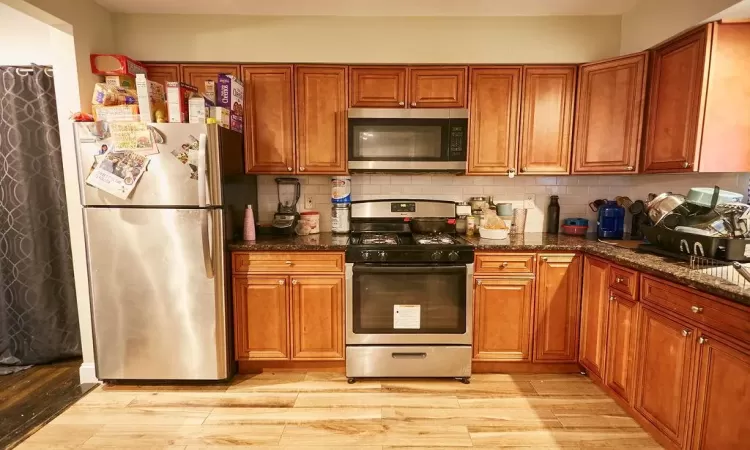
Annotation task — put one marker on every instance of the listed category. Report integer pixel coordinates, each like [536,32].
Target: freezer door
[158,299]
[167,182]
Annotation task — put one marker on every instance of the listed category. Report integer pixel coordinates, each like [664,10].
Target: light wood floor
[297,410]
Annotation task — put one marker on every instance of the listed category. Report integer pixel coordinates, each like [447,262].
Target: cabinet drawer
[505,263]
[278,262]
[624,280]
[700,308]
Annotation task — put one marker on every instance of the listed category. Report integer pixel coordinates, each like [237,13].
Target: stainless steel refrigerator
[157,260]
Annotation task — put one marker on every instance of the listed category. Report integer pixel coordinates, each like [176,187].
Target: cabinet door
[502,319]
[723,399]
[321,119]
[317,318]
[261,317]
[269,130]
[662,386]
[161,73]
[609,115]
[594,310]
[546,119]
[676,98]
[558,304]
[437,87]
[197,74]
[493,119]
[621,342]
[380,87]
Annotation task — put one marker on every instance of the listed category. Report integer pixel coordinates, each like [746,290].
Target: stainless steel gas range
[408,295]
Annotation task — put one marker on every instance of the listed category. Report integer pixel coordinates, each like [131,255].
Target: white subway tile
[319,179]
[578,190]
[401,179]
[371,189]
[380,179]
[483,181]
[422,179]
[546,181]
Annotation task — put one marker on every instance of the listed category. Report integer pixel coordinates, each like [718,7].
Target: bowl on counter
[575,230]
[498,234]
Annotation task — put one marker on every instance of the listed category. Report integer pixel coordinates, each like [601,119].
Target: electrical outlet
[308,202]
[529,201]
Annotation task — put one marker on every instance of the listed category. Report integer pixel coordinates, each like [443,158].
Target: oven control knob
[436,255]
[453,256]
[365,255]
[382,255]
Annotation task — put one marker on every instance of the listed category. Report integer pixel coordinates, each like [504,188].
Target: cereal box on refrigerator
[151,100]
[230,95]
[178,95]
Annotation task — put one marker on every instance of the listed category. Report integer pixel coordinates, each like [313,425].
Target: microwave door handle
[202,174]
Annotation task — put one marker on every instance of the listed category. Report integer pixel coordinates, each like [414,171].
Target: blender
[286,216]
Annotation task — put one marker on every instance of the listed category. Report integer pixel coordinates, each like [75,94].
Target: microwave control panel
[457,142]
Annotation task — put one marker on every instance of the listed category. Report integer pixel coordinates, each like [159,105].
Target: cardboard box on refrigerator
[151,100]
[231,95]
[220,116]
[178,95]
[199,109]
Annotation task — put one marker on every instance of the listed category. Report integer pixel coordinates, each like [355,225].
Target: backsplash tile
[575,192]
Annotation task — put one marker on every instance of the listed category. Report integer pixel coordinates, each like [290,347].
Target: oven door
[408,304]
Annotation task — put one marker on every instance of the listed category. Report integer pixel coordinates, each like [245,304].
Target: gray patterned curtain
[38,315]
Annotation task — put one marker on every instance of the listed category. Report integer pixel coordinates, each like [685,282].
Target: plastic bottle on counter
[248,232]
[553,215]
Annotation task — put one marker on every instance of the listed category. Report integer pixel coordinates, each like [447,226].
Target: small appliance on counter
[286,217]
[640,219]
[610,221]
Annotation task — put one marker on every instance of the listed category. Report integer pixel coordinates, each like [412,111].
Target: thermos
[611,221]
[248,232]
[553,215]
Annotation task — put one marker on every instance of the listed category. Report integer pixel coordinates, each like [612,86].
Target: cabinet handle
[289,169]
[413,103]
[686,165]
[504,264]
[686,333]
[702,340]
[544,258]
[524,169]
[619,280]
[630,168]
[301,169]
[401,103]
[479,282]
[696,309]
[611,298]
[288,263]
[281,281]
[294,281]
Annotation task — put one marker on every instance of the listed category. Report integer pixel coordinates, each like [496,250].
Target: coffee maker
[286,217]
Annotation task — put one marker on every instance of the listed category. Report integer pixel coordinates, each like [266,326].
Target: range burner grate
[379,239]
[434,239]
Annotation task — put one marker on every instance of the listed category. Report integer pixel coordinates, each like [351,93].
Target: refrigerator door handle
[202,172]
[208,258]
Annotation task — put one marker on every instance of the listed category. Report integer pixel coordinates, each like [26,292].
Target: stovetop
[378,247]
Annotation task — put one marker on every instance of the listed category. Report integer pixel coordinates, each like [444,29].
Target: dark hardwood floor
[31,398]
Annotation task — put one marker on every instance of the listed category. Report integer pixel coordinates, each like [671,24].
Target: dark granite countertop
[666,268]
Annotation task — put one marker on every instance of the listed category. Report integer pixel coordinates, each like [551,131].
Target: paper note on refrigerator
[118,172]
[135,136]
[407,316]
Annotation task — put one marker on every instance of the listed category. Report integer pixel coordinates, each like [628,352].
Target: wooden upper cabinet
[493,119]
[197,74]
[437,87]
[502,319]
[161,73]
[558,302]
[546,119]
[621,341]
[594,311]
[609,115]
[261,317]
[676,99]
[320,94]
[663,381]
[317,318]
[269,128]
[723,398]
[379,87]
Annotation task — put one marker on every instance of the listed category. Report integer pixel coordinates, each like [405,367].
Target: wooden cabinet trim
[624,280]
[361,96]
[622,334]
[333,349]
[453,97]
[504,264]
[243,325]
[287,262]
[594,316]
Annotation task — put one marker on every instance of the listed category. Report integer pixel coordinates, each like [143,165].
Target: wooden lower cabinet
[317,318]
[558,302]
[663,382]
[594,311]
[261,317]
[723,397]
[503,318]
[622,319]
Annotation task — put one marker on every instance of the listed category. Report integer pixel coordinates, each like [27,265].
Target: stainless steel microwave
[407,140]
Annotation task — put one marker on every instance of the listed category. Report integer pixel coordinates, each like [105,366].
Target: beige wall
[33,48]
[653,21]
[368,39]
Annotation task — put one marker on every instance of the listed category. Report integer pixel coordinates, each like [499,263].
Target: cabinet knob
[301,169]
[479,282]
[288,263]
[619,280]
[294,281]
[504,264]
[544,258]
[289,169]
[696,309]
[686,164]
[686,333]
[630,168]
[611,298]
[702,340]
[401,103]
[413,103]
[281,281]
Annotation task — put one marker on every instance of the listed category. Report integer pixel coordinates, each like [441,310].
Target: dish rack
[719,269]
[697,245]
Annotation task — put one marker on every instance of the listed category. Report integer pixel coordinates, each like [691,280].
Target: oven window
[428,301]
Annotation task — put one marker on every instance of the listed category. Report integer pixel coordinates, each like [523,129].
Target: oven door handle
[377,268]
